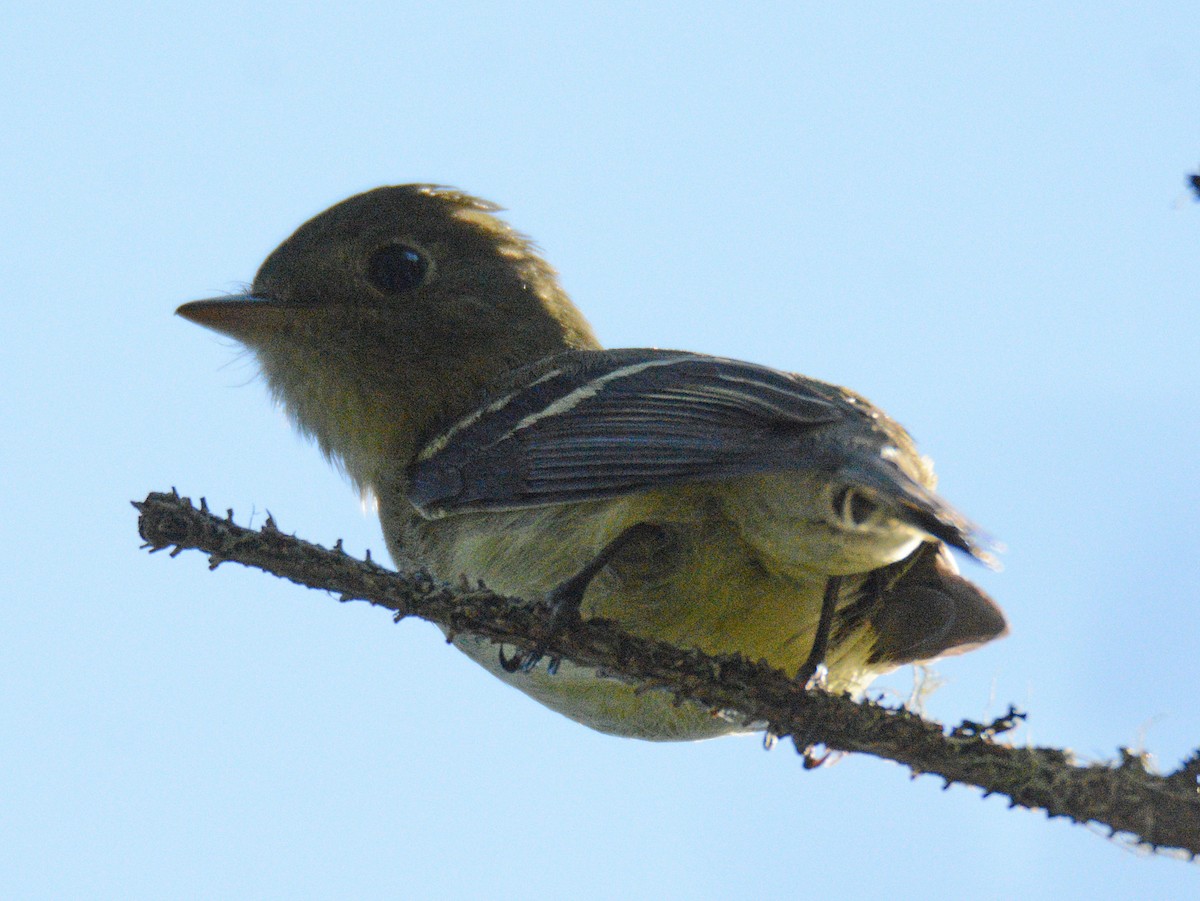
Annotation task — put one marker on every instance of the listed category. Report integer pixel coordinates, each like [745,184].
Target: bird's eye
[853,507]
[396,268]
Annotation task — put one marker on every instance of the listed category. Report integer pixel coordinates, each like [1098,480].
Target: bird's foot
[566,601]
[820,645]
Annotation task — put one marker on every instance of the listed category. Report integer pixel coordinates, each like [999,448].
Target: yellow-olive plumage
[431,353]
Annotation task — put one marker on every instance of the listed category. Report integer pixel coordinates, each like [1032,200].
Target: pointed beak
[241,316]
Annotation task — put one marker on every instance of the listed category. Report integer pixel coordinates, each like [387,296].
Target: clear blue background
[975,217]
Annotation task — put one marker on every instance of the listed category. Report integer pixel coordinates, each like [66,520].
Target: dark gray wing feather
[588,425]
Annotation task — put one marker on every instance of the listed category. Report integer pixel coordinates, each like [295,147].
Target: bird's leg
[566,599]
[820,645]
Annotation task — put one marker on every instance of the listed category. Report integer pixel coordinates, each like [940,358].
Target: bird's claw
[520,662]
[527,661]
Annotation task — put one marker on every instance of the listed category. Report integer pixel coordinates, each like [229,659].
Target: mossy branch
[1160,811]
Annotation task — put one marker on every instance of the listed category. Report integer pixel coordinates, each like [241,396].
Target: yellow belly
[696,583]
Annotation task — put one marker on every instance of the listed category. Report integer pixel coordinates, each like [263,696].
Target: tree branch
[1160,811]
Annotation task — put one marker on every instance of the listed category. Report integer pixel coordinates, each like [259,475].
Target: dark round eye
[395,268]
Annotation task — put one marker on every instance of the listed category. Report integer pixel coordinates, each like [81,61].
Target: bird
[429,350]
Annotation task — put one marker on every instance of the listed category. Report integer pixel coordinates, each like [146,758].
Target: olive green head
[390,311]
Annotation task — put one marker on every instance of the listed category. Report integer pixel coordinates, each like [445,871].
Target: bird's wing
[588,425]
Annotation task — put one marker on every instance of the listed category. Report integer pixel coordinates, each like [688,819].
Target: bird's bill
[240,316]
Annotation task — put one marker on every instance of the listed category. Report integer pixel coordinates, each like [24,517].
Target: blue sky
[976,217]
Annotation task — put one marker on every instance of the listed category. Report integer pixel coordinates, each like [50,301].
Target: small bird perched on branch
[710,503]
